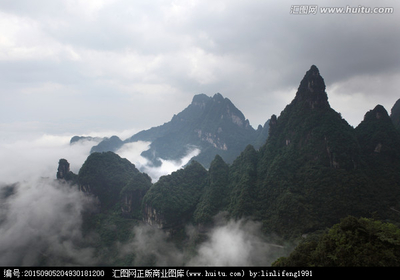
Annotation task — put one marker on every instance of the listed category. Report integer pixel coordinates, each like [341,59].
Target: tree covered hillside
[313,170]
[352,242]
[213,125]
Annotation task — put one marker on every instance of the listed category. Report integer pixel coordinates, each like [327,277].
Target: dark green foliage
[379,141]
[352,242]
[105,175]
[120,188]
[132,194]
[214,196]
[395,114]
[309,152]
[313,170]
[243,177]
[377,135]
[175,196]
[107,232]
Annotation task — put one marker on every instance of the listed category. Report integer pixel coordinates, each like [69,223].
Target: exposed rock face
[312,89]
[64,173]
[63,169]
[213,139]
[153,218]
[132,194]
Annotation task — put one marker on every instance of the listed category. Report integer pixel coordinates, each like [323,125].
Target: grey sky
[80,67]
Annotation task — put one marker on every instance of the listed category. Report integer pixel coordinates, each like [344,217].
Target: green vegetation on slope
[352,242]
[175,196]
[313,170]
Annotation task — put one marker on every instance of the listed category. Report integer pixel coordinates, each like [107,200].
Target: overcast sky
[81,67]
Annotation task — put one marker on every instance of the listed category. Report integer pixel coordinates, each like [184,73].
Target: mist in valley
[41,218]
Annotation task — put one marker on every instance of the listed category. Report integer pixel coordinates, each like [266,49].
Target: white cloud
[169,166]
[357,95]
[33,158]
[41,217]
[228,243]
[132,151]
[236,243]
[42,220]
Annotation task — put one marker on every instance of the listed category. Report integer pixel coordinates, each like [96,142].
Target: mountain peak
[312,89]
[212,125]
[218,97]
[379,112]
[200,98]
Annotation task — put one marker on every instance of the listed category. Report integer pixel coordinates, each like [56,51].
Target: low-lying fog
[41,218]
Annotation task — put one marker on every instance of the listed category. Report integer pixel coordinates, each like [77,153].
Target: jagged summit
[379,112]
[200,99]
[212,125]
[378,135]
[312,89]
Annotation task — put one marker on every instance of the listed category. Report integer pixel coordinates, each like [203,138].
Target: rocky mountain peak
[218,97]
[378,113]
[200,100]
[64,173]
[312,89]
[63,169]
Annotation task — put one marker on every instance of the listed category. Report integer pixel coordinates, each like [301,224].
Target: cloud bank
[228,243]
[40,224]
[41,218]
[236,243]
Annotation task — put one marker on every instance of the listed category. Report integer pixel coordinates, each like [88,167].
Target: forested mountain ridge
[313,170]
[211,124]
[350,243]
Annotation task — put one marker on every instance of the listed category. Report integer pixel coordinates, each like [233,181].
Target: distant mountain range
[211,124]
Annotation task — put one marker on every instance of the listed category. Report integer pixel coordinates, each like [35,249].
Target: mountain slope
[395,114]
[211,124]
[114,181]
[310,160]
[172,200]
[313,170]
[351,243]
